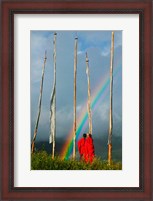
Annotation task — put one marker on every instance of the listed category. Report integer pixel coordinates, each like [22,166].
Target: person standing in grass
[81,147]
[89,148]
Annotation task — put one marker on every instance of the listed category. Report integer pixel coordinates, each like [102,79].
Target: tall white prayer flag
[89,96]
[53,104]
[52,116]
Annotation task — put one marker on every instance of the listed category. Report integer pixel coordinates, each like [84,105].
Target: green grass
[43,161]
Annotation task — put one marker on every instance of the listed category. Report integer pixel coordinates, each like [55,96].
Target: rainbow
[100,92]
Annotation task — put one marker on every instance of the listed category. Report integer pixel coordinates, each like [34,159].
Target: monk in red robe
[81,147]
[90,150]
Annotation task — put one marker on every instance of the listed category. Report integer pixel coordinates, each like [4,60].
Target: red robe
[81,148]
[90,151]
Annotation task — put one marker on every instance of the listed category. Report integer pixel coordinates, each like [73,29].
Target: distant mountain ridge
[100,147]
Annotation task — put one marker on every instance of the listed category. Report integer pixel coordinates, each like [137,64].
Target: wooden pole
[39,105]
[53,105]
[111,104]
[74,120]
[54,57]
[89,96]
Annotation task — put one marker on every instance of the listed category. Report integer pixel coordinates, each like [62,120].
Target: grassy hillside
[41,160]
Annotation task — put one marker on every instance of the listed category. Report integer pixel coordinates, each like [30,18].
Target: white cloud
[78,108]
[103,112]
[80,52]
[105,52]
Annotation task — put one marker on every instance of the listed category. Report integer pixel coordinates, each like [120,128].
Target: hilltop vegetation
[100,144]
[41,160]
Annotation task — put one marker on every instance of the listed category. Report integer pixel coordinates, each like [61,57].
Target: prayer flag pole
[111,105]
[53,104]
[39,105]
[74,120]
[89,96]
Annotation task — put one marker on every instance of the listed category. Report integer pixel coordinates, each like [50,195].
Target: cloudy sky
[97,44]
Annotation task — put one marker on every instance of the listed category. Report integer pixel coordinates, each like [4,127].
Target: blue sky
[97,44]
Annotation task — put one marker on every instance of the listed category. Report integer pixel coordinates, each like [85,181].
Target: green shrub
[42,161]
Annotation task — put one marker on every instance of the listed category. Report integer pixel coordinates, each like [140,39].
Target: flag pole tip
[76,36]
[87,57]
[45,54]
